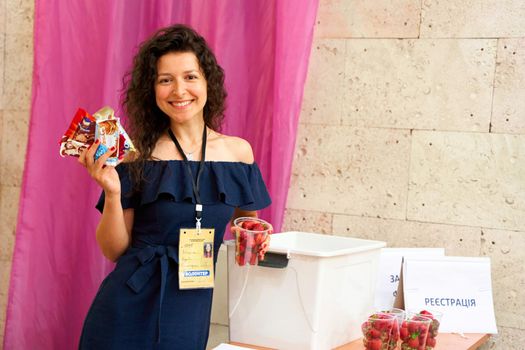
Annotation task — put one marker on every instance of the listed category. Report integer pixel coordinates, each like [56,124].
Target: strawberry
[375,344]
[374,333]
[395,329]
[241,261]
[427,314]
[381,324]
[253,259]
[431,342]
[412,328]
[257,227]
[423,329]
[403,332]
[413,343]
[259,238]
[248,225]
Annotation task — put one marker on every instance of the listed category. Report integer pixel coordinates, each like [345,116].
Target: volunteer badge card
[196,258]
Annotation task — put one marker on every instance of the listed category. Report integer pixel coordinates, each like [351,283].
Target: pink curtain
[82,50]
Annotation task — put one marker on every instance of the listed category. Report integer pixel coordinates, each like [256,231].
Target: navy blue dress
[139,304]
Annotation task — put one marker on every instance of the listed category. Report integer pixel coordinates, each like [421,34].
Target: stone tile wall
[413,132]
[16,65]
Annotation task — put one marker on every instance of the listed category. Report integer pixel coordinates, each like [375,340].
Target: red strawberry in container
[377,331]
[414,332]
[252,237]
[240,248]
[435,316]
[394,337]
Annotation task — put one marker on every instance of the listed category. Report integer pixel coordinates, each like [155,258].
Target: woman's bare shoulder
[237,149]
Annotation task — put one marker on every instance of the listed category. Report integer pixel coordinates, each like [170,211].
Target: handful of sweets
[250,234]
[103,126]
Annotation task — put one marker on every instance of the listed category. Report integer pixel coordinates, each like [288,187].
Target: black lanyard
[195,184]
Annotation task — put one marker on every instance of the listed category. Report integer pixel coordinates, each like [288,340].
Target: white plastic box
[318,301]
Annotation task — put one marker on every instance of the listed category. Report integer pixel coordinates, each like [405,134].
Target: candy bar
[104,113]
[80,134]
[107,133]
[125,144]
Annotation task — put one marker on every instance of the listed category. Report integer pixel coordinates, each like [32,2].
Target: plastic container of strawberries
[250,234]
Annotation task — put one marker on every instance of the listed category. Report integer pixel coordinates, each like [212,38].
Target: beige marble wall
[16,64]
[412,131]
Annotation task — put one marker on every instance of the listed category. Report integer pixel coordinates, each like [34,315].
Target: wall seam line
[493,86]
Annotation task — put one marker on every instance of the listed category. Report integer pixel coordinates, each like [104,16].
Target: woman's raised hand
[106,176]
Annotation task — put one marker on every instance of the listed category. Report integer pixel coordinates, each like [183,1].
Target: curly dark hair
[146,122]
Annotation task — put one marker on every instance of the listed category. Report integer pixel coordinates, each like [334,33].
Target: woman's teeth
[181,104]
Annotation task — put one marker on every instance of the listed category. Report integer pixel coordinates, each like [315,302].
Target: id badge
[196,258]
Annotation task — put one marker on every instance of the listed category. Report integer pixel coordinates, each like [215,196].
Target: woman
[175,104]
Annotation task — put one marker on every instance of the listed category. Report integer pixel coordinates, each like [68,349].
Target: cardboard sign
[390,271]
[459,287]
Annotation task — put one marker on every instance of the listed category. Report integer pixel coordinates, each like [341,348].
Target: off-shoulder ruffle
[233,183]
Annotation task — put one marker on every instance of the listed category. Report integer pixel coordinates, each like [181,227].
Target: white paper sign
[390,268]
[223,346]
[459,287]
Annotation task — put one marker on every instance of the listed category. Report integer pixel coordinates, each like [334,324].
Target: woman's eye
[192,77]
[164,81]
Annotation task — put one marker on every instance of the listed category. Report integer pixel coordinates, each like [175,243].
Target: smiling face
[180,87]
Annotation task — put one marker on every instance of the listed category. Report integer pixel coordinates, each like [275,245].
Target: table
[445,341]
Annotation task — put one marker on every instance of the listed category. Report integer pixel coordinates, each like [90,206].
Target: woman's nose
[179,88]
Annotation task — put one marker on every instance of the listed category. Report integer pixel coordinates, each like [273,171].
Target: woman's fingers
[83,151]
[264,247]
[101,161]
[96,166]
[90,154]
[82,157]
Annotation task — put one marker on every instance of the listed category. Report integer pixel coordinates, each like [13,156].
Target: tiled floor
[218,334]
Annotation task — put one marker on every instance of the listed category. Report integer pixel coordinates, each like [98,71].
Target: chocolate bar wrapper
[80,134]
[126,146]
[104,113]
[107,132]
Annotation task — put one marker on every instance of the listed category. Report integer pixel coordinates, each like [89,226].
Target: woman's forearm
[112,234]
[238,213]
